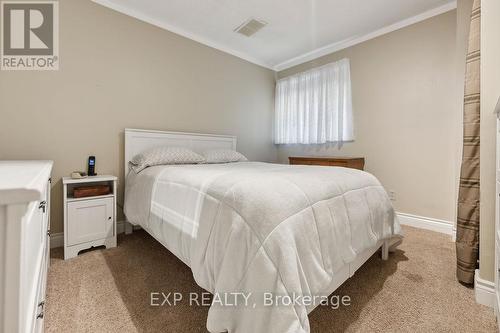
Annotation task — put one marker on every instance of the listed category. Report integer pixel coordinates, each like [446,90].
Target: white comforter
[258,228]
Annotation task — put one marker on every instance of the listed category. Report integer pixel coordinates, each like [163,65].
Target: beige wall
[490,92]
[405,114]
[118,72]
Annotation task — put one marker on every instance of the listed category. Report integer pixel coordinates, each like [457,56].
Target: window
[315,106]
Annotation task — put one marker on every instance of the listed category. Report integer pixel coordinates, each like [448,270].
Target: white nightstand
[89,221]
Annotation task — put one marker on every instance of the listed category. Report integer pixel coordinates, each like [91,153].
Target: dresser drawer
[34,263]
[34,240]
[39,315]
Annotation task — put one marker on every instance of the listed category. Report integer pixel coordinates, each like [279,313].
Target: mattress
[260,229]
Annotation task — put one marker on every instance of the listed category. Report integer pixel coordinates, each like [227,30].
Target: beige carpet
[108,291]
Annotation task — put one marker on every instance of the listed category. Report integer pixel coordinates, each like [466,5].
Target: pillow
[223,156]
[164,156]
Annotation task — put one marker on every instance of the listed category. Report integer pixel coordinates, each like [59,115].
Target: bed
[259,232]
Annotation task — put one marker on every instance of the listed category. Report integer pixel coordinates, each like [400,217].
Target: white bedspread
[258,227]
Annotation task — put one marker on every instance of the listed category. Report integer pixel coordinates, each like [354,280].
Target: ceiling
[297,30]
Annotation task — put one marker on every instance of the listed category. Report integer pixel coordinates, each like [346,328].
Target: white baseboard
[484,291]
[120,227]
[422,222]
[57,239]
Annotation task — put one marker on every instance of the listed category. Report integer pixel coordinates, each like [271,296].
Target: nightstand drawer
[89,220]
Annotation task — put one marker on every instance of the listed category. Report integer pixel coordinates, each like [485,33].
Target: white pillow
[223,156]
[164,156]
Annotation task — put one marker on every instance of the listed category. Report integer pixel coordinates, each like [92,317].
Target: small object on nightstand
[78,175]
[89,213]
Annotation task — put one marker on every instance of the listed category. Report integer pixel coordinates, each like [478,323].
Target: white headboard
[139,140]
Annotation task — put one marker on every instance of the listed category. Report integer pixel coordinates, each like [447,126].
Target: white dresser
[24,243]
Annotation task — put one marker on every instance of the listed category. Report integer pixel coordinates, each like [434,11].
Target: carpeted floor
[109,291]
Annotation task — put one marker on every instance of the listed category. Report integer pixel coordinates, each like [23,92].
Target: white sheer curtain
[315,106]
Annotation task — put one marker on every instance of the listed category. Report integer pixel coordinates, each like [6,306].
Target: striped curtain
[467,242]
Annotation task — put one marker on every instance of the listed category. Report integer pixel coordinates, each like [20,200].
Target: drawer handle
[43,205]
[40,314]
[109,218]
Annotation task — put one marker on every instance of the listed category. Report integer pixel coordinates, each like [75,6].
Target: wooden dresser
[347,162]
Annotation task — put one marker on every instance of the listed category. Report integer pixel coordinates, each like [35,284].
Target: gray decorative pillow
[164,156]
[223,156]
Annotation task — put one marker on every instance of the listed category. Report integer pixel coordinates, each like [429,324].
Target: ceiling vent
[250,27]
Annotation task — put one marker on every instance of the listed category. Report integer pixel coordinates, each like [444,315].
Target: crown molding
[322,51]
[335,47]
[202,40]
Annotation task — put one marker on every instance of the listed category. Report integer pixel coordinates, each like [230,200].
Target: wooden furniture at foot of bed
[346,162]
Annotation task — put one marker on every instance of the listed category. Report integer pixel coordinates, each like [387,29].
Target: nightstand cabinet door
[90,220]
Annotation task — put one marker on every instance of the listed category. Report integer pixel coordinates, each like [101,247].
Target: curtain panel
[315,106]
[467,242]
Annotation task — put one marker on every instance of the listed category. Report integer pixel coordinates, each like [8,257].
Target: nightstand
[88,221]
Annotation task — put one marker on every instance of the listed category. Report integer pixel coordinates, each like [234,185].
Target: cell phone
[91,166]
